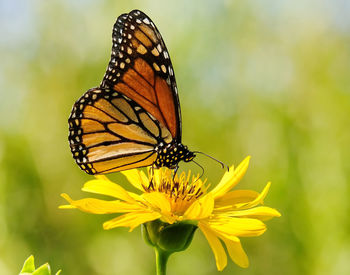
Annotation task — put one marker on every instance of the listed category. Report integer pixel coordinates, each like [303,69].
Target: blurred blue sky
[284,22]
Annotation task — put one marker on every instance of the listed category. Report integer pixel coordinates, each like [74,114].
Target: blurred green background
[270,79]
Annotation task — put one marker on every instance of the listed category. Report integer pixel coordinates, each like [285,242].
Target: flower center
[181,191]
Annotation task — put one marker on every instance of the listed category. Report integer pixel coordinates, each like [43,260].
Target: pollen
[181,190]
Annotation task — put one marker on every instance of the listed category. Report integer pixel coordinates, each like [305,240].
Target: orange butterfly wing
[140,68]
[120,125]
[110,132]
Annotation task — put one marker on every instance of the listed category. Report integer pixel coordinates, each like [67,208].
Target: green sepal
[28,266]
[168,237]
[43,270]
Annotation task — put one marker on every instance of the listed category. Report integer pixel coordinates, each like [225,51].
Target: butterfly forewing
[140,68]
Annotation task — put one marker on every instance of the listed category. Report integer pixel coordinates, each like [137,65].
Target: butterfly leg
[175,171]
[151,185]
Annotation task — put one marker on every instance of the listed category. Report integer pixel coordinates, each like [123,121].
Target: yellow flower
[221,214]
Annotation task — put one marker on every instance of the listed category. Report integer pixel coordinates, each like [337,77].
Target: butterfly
[133,119]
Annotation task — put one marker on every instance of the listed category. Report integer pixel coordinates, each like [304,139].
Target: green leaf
[43,270]
[28,266]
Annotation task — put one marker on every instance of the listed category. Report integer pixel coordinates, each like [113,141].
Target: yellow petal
[131,220]
[74,204]
[108,188]
[235,197]
[157,201]
[159,175]
[236,227]
[96,206]
[260,212]
[67,198]
[135,196]
[216,246]
[68,206]
[102,177]
[236,252]
[200,209]
[258,200]
[230,179]
[136,177]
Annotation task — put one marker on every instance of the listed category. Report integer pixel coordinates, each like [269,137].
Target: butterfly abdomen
[169,155]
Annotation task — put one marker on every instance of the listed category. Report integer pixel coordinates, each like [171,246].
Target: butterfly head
[169,155]
[187,154]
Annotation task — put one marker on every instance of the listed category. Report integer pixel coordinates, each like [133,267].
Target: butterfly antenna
[201,168]
[222,164]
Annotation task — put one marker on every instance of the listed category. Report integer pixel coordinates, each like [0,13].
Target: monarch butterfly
[133,118]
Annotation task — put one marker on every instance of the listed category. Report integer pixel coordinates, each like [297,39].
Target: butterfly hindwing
[140,68]
[110,132]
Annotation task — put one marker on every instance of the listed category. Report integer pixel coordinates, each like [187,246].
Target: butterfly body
[169,155]
[133,118]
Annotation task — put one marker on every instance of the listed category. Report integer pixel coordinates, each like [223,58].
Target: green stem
[161,260]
